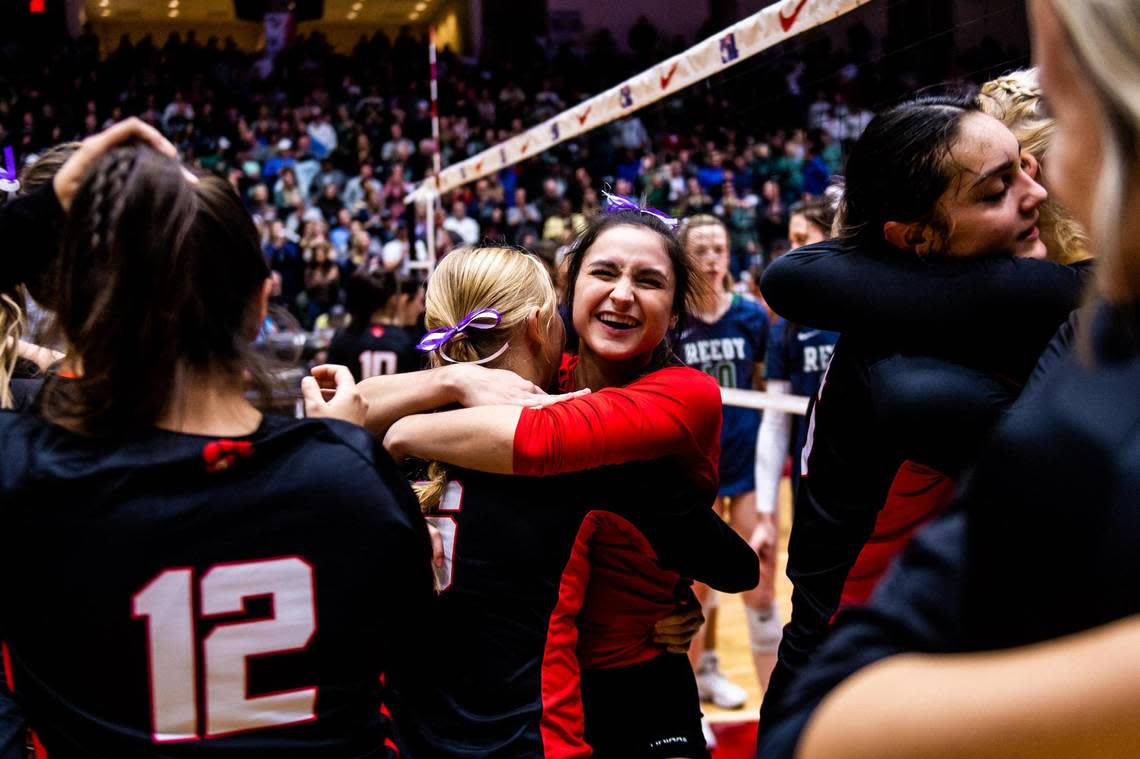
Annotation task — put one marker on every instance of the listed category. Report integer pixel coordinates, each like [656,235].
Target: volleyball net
[768,27]
[746,38]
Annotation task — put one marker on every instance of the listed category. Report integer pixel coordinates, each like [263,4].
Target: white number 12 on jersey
[167,604]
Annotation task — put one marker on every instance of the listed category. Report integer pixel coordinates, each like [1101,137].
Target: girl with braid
[185,544]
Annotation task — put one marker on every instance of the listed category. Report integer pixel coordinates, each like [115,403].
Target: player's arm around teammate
[1027,500]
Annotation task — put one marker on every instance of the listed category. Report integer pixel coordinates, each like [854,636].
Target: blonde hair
[11,329]
[1105,40]
[512,282]
[1016,100]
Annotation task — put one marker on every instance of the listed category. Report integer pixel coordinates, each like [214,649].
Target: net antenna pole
[428,192]
[436,158]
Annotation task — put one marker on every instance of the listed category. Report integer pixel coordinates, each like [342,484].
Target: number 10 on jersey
[167,603]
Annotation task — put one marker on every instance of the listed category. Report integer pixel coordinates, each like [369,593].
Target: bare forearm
[392,396]
[1071,697]
[479,438]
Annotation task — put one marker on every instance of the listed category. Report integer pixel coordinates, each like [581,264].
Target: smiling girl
[629,284]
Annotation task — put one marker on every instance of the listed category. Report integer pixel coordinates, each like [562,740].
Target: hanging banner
[279,29]
[744,39]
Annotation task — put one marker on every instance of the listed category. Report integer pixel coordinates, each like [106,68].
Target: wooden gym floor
[732,634]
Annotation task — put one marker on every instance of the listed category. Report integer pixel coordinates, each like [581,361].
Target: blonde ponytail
[510,281]
[11,329]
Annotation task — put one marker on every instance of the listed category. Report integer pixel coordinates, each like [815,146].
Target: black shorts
[644,711]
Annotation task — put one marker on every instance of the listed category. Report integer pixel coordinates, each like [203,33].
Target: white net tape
[792,404]
[760,31]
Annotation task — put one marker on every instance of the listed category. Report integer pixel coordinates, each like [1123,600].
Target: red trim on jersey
[671,413]
[629,591]
[563,723]
[7,666]
[39,752]
[918,493]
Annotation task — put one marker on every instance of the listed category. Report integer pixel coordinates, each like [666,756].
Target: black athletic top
[905,311]
[998,310]
[503,678]
[1059,478]
[29,235]
[374,350]
[180,595]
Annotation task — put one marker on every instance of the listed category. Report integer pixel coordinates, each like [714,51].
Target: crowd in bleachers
[324,147]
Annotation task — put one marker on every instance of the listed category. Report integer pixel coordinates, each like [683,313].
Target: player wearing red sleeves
[670,413]
[630,284]
[520,553]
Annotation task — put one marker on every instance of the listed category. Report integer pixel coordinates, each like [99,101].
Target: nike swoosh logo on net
[805,336]
[788,21]
[668,77]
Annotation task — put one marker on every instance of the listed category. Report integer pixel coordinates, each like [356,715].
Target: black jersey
[852,454]
[30,226]
[178,595]
[503,680]
[375,350]
[1060,478]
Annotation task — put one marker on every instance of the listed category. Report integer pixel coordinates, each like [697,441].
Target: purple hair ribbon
[480,318]
[619,203]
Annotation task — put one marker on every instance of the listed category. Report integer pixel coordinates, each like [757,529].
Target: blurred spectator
[286,192]
[324,148]
[357,188]
[341,233]
[398,147]
[461,225]
[284,257]
[329,202]
[397,253]
[322,278]
[564,225]
[551,199]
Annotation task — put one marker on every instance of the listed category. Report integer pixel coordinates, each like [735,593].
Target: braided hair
[158,280]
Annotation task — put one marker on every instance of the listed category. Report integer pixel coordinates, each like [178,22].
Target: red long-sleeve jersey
[672,415]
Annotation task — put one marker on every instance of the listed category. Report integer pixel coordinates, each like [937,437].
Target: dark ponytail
[366,292]
[158,281]
[900,166]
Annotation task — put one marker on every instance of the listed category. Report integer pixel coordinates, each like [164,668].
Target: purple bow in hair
[619,203]
[480,318]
